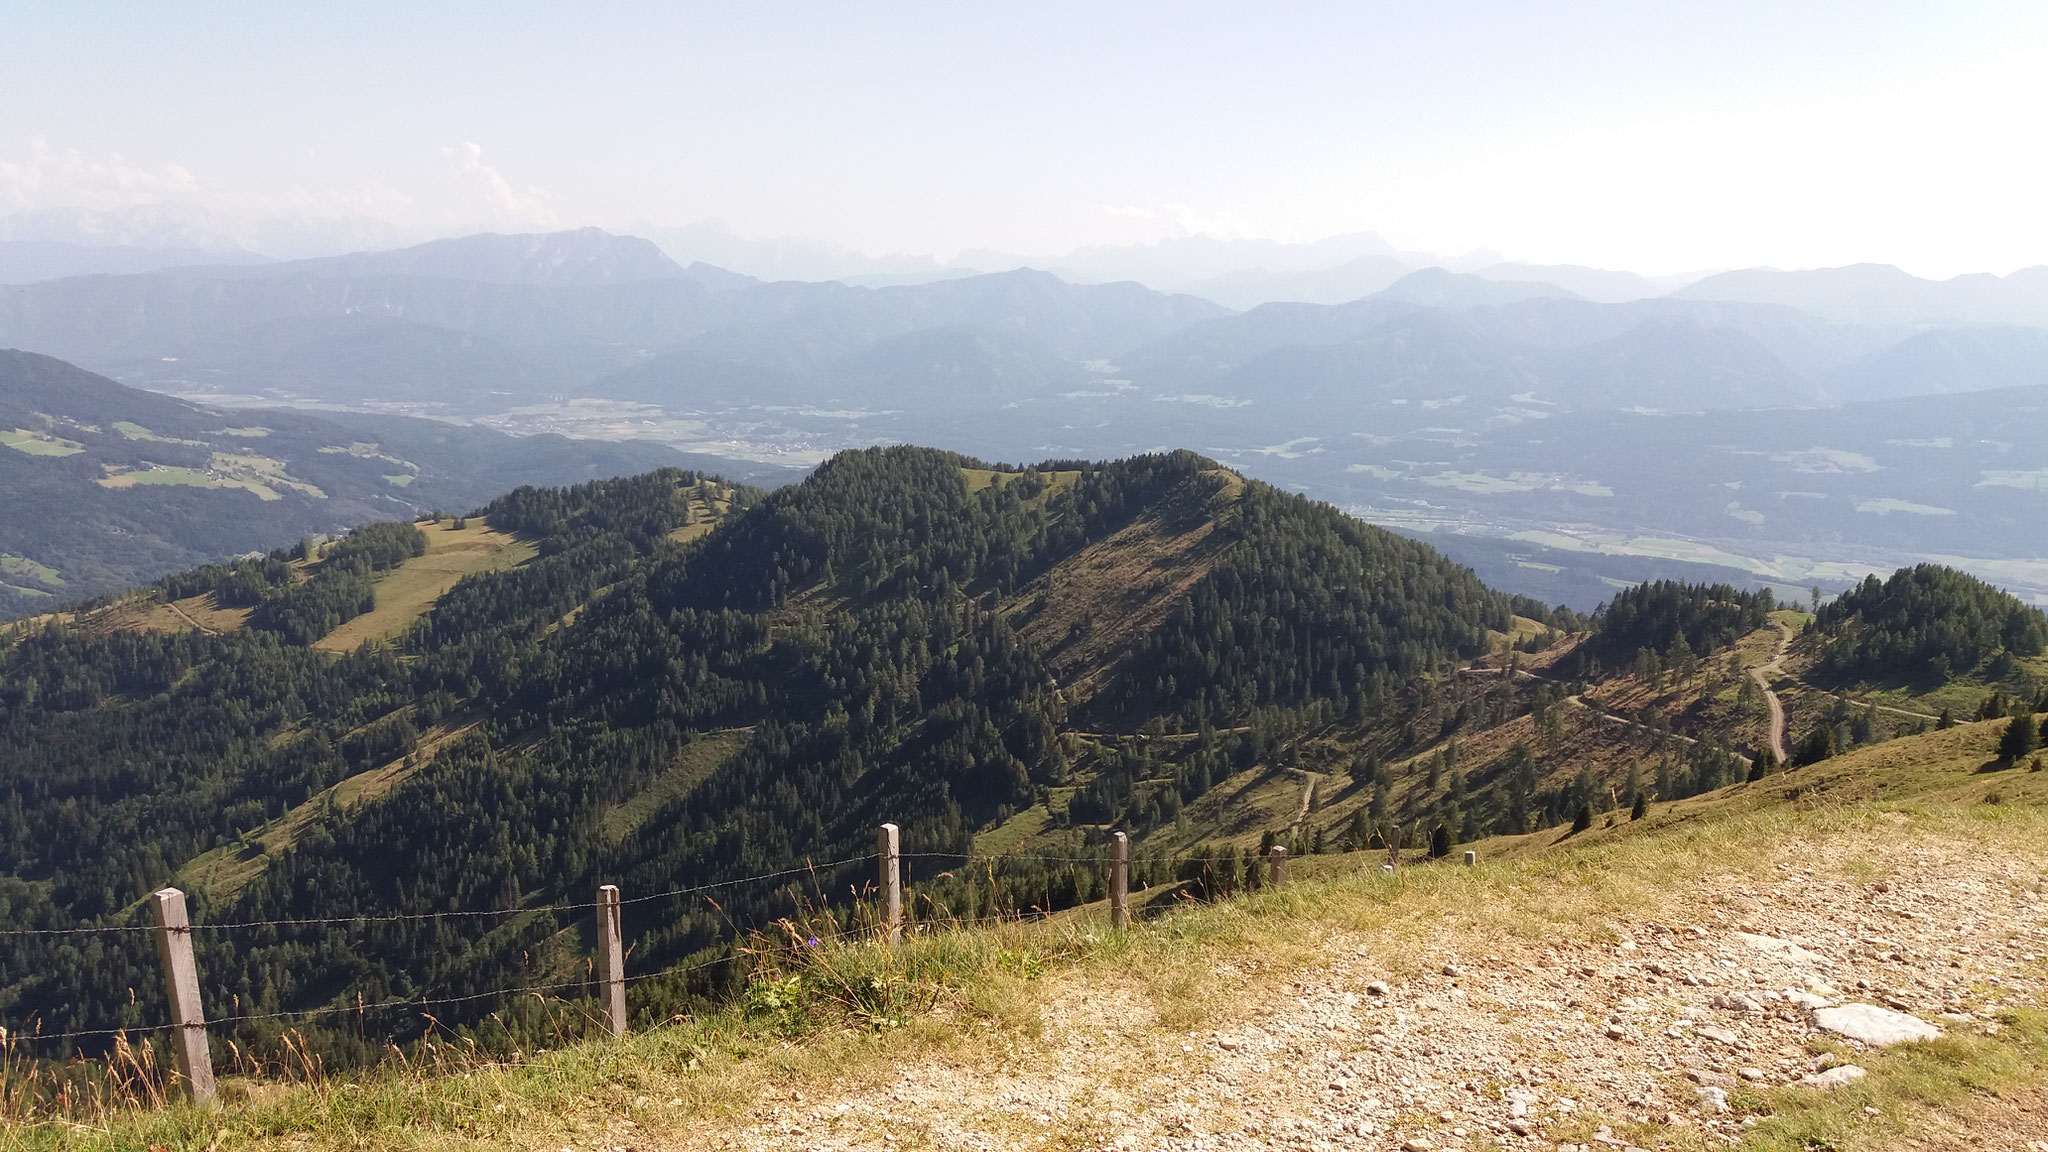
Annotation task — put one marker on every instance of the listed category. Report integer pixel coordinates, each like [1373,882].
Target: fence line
[174,935]
[697,889]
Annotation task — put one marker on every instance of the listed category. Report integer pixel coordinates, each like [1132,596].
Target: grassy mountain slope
[908,635]
[997,659]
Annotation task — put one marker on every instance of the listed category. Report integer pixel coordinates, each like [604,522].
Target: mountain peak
[579,256]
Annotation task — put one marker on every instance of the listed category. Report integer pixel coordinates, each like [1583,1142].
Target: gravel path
[1763,674]
[1635,1032]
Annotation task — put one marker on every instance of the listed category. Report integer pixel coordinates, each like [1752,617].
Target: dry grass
[406,592]
[990,1002]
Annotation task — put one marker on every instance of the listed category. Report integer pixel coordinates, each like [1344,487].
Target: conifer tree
[2022,737]
[1361,830]
[1642,806]
[1440,842]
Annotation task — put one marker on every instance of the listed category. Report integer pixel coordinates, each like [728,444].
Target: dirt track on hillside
[1763,674]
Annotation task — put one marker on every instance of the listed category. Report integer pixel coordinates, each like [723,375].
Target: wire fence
[959,859]
[954,862]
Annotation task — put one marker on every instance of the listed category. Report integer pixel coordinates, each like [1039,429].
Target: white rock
[1782,949]
[1832,1078]
[1877,1027]
[1713,1099]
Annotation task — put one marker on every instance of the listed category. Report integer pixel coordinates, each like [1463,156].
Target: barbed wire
[397,917]
[802,937]
[92,930]
[420,1004]
[808,868]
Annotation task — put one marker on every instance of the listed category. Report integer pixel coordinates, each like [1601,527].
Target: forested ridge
[1925,623]
[850,644]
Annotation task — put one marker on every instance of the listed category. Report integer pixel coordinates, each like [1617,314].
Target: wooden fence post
[1276,866]
[611,958]
[1471,858]
[1119,881]
[181,981]
[886,848]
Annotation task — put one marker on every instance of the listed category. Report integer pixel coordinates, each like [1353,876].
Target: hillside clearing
[259,475]
[39,443]
[406,592]
[697,760]
[224,871]
[23,568]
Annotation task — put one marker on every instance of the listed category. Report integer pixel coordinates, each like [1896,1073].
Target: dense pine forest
[896,639]
[1925,624]
[686,684]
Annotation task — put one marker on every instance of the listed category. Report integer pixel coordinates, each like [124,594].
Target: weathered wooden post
[1276,866]
[611,957]
[892,883]
[1471,858]
[1119,881]
[181,981]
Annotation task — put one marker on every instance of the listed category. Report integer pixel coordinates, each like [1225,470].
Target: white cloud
[46,177]
[485,187]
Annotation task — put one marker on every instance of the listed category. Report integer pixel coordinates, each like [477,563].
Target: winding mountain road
[1763,674]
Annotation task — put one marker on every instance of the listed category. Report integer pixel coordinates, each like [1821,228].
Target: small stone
[1227,1044]
[1720,1036]
[1877,1027]
[1521,1127]
[1417,1144]
[1377,988]
[1753,1075]
[1833,1078]
[1452,970]
[1710,1079]
[1616,1032]
[1713,1099]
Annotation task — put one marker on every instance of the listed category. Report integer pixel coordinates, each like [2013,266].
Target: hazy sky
[1651,136]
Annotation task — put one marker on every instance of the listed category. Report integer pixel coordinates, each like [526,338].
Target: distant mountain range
[1417,391]
[29,261]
